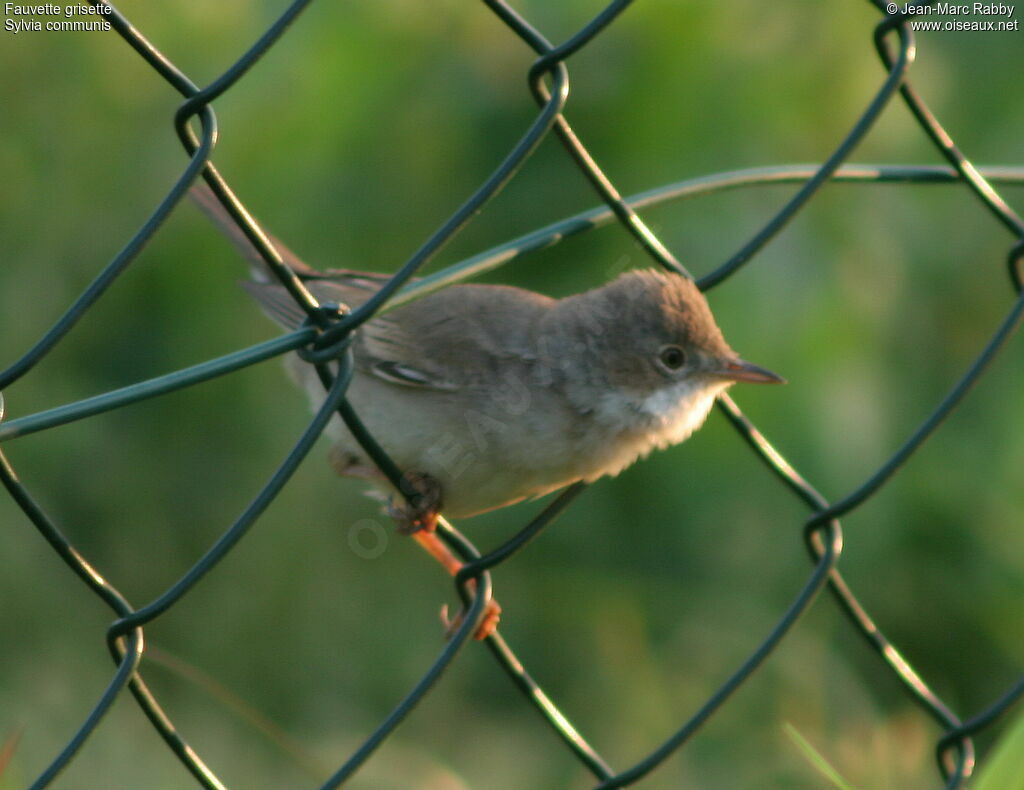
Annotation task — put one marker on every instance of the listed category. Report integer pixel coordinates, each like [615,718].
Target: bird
[487,395]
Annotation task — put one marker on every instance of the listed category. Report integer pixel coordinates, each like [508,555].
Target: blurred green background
[353,139]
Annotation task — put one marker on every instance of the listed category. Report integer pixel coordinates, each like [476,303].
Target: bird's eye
[672,357]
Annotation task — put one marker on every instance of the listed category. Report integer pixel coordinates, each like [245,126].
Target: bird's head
[655,353]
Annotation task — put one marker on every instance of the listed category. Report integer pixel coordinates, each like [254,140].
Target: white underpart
[663,418]
[680,409]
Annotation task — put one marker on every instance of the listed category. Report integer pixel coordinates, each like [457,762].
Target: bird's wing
[383,347]
[463,336]
[444,342]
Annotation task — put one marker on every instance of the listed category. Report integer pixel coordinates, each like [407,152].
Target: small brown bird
[486,395]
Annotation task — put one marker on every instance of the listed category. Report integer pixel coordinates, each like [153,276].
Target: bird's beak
[741,370]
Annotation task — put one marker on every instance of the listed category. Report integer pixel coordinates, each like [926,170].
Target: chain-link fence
[325,338]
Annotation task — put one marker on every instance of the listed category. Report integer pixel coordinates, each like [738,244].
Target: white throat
[678,410]
[661,419]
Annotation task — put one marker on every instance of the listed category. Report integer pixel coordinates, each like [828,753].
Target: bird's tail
[204,197]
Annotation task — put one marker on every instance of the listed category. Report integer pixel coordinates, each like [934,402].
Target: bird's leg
[419,519]
[422,495]
[421,492]
[437,549]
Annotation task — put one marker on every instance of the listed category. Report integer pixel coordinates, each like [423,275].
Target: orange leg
[419,518]
[440,552]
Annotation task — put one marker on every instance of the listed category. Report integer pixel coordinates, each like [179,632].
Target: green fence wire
[327,334]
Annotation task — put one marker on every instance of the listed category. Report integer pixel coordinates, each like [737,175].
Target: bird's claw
[422,507]
[488,624]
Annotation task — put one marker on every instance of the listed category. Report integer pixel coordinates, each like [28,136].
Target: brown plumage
[500,394]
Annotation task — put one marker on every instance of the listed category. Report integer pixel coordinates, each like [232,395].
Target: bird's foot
[422,506]
[488,624]
[418,517]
